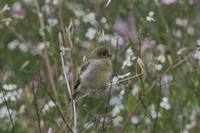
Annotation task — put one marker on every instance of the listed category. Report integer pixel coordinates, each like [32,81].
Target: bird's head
[102,52]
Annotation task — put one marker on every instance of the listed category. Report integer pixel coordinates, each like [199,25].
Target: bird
[95,72]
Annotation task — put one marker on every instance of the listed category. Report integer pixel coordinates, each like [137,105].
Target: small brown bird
[95,72]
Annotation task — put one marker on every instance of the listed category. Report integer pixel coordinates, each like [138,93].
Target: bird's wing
[83,68]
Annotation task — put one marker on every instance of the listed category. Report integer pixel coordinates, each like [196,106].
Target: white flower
[56,2]
[91,33]
[198,42]
[115,101]
[103,20]
[150,17]
[190,30]
[161,58]
[165,103]
[90,18]
[117,109]
[181,22]
[129,58]
[135,120]
[23,47]
[117,120]
[5,8]
[196,55]
[4,113]
[153,112]
[52,22]
[9,87]
[77,22]
[135,91]
[158,67]
[115,79]
[117,40]
[13,44]
[47,106]
[13,95]
[177,33]
[42,45]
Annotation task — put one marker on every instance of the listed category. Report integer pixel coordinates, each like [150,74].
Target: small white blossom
[181,22]
[117,40]
[90,34]
[129,58]
[190,30]
[177,33]
[47,106]
[153,112]
[114,80]
[150,17]
[198,42]
[135,120]
[115,101]
[77,22]
[161,58]
[165,103]
[5,8]
[23,47]
[13,44]
[135,91]
[4,113]
[9,87]
[90,18]
[117,120]
[56,2]
[158,67]
[117,109]
[52,22]
[196,55]
[42,45]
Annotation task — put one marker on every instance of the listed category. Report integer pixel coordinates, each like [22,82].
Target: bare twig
[67,81]
[45,54]
[110,86]
[56,105]
[125,79]
[36,108]
[11,120]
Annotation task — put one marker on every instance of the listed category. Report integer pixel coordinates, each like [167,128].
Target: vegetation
[156,55]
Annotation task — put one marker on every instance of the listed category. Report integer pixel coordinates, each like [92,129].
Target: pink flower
[18,11]
[124,28]
[191,2]
[168,2]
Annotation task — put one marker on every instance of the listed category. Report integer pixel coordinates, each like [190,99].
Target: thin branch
[158,109]
[36,108]
[67,81]
[45,55]
[177,63]
[11,120]
[125,79]
[56,105]
[110,86]
[14,32]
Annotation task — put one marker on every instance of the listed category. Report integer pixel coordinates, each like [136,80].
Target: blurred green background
[156,43]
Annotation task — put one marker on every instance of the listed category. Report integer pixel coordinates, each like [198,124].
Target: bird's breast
[97,73]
